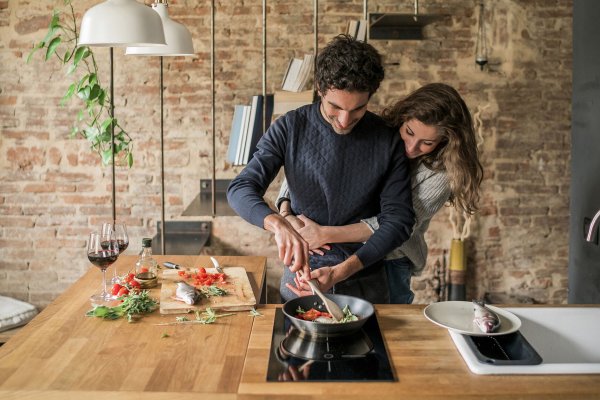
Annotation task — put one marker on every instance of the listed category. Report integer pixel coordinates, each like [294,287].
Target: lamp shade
[121,23]
[178,37]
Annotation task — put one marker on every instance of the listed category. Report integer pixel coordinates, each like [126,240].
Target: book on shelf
[256,130]
[247,129]
[286,101]
[239,150]
[298,73]
[357,29]
[234,135]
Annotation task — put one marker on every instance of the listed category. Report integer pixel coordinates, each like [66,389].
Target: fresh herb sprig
[133,305]
[209,316]
[213,290]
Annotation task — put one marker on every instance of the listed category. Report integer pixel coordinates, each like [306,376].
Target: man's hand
[293,250]
[313,234]
[326,276]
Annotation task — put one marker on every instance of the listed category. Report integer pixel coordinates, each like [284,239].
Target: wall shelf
[394,26]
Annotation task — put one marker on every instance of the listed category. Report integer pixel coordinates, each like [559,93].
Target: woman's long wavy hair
[440,105]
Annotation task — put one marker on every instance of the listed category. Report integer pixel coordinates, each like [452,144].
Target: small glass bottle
[145,267]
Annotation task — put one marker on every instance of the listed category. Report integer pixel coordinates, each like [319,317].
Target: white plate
[458,317]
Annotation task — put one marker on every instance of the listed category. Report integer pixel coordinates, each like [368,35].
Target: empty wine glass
[102,251]
[120,232]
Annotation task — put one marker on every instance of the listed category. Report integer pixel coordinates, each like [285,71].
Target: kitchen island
[62,354]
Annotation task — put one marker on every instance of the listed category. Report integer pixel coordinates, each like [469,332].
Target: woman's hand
[313,233]
[324,277]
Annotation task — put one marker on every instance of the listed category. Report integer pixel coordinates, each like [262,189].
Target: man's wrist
[274,222]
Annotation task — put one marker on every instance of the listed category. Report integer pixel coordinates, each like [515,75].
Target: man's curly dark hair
[349,64]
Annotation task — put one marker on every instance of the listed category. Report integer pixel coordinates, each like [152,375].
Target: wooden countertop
[61,353]
[426,363]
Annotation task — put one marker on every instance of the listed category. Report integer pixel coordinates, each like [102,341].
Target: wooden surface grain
[426,366]
[63,351]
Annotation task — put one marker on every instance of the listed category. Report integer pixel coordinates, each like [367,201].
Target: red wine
[103,259]
[122,245]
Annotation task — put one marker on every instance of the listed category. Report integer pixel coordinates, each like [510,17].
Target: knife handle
[171,265]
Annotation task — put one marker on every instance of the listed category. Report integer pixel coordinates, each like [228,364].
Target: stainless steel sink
[565,337]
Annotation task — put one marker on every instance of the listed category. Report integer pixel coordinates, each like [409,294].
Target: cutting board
[239,295]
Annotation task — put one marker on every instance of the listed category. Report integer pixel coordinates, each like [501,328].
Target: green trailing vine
[93,121]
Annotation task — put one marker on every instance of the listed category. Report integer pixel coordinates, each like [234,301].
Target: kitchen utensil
[239,297]
[335,310]
[170,265]
[216,264]
[458,317]
[359,307]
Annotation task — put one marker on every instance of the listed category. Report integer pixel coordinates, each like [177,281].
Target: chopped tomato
[143,269]
[122,292]
[202,270]
[135,284]
[312,314]
[115,289]
[129,277]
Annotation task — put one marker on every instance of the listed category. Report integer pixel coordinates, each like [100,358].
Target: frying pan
[359,307]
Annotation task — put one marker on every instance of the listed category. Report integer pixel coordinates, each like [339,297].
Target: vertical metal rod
[264,93]
[316,28]
[162,163]
[212,106]
[365,7]
[264,65]
[112,136]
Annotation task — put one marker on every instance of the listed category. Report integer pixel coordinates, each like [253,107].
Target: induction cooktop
[296,356]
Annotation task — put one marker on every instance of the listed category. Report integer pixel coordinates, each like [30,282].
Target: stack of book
[298,73]
[287,101]
[247,128]
[357,29]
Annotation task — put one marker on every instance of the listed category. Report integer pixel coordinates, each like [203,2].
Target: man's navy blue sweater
[333,179]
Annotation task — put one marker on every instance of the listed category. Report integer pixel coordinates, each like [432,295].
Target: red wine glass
[120,232]
[102,251]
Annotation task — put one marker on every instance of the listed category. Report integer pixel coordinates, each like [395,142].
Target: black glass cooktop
[361,356]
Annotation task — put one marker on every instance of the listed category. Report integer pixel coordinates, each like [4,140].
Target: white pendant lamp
[177,36]
[121,23]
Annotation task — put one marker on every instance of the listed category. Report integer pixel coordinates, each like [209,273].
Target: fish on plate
[186,293]
[485,319]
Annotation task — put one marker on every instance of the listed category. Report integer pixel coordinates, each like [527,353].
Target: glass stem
[104,292]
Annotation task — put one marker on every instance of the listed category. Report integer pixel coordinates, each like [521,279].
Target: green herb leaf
[165,335]
[255,313]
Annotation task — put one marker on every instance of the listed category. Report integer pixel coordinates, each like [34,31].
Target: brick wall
[53,190]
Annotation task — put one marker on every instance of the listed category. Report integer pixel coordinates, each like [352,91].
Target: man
[342,163]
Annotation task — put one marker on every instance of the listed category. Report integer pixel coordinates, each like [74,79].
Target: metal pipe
[162,163]
[212,107]
[264,65]
[112,136]
[590,234]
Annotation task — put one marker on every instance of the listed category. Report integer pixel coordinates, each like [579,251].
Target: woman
[440,143]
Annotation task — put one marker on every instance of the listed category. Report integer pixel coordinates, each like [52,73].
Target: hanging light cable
[179,43]
[481,49]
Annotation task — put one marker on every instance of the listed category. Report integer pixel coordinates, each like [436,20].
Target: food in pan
[485,319]
[324,317]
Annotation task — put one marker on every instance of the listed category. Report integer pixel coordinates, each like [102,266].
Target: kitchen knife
[216,264]
[171,265]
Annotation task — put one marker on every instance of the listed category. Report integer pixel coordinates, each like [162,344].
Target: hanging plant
[94,119]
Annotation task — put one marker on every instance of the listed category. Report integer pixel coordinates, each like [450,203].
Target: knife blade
[216,264]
